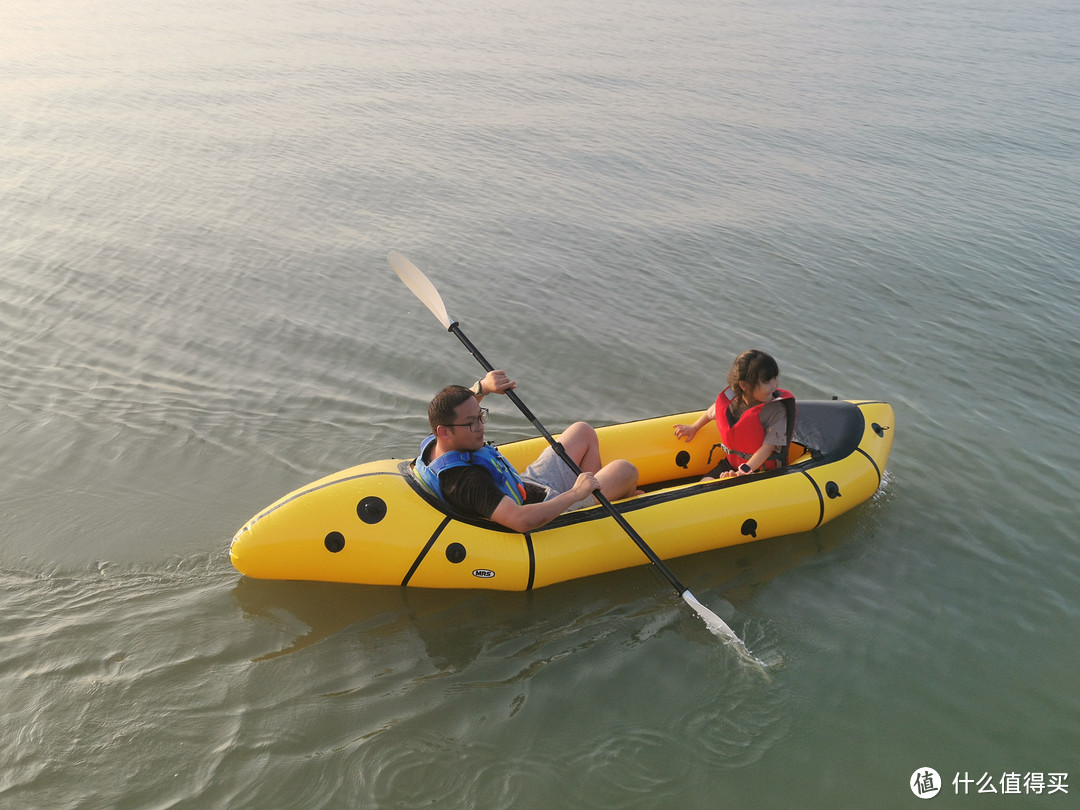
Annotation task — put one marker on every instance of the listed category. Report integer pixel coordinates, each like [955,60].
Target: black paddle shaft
[561,452]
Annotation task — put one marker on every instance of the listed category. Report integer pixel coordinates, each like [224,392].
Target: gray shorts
[552,473]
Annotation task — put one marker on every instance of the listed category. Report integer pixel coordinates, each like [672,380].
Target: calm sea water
[196,202]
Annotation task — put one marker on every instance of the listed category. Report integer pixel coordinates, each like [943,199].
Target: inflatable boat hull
[375,524]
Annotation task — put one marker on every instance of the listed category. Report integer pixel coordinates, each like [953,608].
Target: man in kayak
[475,479]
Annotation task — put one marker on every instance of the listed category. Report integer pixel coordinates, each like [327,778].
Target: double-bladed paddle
[423,289]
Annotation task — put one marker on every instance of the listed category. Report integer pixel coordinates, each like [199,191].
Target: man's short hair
[443,406]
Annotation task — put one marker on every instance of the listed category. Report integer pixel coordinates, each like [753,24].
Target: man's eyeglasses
[473,424]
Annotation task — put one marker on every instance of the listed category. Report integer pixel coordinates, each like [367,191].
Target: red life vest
[741,440]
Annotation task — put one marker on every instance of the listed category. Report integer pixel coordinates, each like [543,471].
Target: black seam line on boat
[820,499]
[424,551]
[640,502]
[655,498]
[532,560]
[595,513]
[870,458]
[309,490]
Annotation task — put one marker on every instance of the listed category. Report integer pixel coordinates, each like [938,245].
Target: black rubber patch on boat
[455,553]
[371,509]
[334,542]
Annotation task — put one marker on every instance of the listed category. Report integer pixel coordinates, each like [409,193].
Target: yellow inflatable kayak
[376,524]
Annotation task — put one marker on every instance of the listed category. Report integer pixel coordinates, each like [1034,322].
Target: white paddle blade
[718,627]
[420,286]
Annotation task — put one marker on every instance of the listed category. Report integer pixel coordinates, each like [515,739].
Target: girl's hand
[685,432]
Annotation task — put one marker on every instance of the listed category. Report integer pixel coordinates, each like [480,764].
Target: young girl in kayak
[755,418]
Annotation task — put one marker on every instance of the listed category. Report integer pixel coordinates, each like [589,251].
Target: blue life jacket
[502,472]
